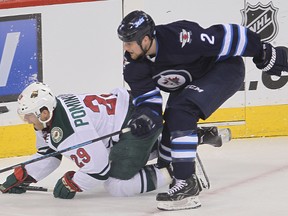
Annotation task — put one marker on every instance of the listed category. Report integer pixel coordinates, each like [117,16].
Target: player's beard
[136,56]
[142,54]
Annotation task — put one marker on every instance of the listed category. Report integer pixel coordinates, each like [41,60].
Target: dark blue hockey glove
[143,121]
[272,60]
[66,188]
[16,179]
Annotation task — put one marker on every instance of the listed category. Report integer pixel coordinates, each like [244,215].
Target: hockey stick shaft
[202,169]
[124,130]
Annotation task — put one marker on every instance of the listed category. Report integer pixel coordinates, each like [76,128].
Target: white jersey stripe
[227,41]
[242,41]
[149,95]
[155,100]
[183,154]
[164,157]
[165,148]
[186,140]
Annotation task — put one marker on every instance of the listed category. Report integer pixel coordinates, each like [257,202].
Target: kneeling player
[70,119]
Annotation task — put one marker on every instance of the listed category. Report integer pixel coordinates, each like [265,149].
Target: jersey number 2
[205,37]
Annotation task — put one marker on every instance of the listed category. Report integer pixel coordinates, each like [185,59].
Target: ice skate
[182,195]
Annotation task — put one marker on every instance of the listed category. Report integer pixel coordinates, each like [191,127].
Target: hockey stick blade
[35,188]
[214,136]
[32,188]
[124,130]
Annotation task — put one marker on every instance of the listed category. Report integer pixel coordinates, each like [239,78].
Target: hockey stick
[215,137]
[124,130]
[201,173]
[34,188]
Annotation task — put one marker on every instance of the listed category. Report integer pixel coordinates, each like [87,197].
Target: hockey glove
[143,121]
[272,60]
[17,179]
[66,188]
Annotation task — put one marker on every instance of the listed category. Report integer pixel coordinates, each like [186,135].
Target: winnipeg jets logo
[172,80]
[185,37]
[261,19]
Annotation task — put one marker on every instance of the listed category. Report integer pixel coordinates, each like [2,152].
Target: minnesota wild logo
[56,134]
[261,19]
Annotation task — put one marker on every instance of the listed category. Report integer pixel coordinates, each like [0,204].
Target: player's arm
[41,169]
[146,98]
[31,173]
[143,89]
[229,40]
[93,163]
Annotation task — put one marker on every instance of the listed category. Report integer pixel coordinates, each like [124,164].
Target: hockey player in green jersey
[66,120]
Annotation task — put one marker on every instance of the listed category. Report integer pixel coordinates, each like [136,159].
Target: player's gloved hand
[66,188]
[17,179]
[272,60]
[143,121]
[141,125]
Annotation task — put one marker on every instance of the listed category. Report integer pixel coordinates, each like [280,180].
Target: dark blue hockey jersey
[185,51]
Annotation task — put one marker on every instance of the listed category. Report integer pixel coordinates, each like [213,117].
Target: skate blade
[187,203]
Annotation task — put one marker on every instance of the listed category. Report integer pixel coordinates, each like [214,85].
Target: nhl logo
[261,19]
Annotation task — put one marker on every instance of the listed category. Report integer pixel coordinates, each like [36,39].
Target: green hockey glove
[17,179]
[66,188]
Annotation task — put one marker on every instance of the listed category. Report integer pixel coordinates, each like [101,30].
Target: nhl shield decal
[261,19]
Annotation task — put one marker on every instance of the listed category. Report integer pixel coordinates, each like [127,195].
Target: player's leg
[181,120]
[164,149]
[128,173]
[198,100]
[147,179]
[131,154]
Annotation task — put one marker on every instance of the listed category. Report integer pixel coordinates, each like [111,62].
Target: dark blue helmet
[135,26]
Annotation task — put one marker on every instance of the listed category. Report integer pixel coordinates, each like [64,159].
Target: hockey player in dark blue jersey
[201,68]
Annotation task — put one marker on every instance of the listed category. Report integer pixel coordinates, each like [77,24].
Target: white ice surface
[249,177]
